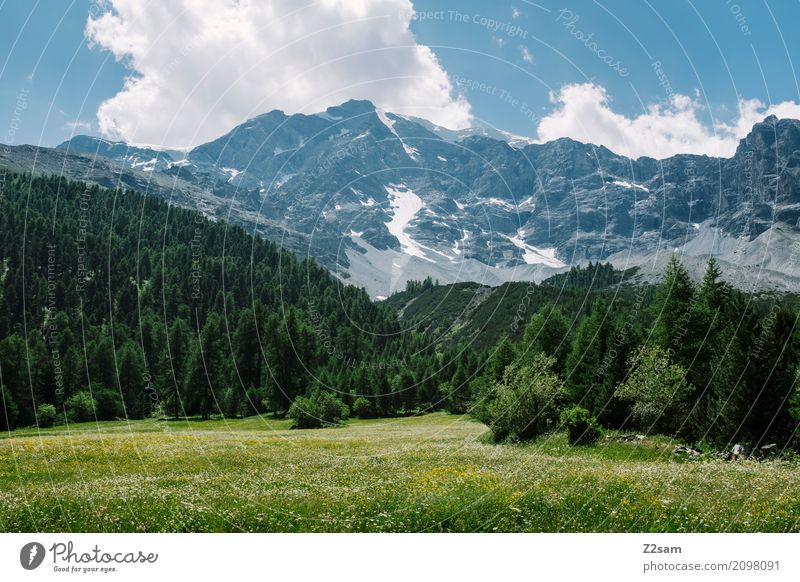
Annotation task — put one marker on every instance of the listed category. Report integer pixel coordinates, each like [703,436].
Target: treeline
[116,305]
[703,362]
[592,276]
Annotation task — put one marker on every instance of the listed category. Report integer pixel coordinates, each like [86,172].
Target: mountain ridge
[382,198]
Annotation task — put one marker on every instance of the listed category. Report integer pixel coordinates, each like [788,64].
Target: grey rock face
[381,198]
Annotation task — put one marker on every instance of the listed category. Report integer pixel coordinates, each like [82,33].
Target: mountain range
[381,198]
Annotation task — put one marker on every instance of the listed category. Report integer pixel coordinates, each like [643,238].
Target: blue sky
[701,45]
[45,54]
[509,62]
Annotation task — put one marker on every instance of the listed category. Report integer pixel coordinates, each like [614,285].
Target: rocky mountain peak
[382,198]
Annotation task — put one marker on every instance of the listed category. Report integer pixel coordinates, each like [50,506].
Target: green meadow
[422,474]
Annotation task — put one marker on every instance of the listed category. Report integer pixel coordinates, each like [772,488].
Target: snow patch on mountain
[458,244]
[389,123]
[232,172]
[405,205]
[146,166]
[327,116]
[630,185]
[179,164]
[498,202]
[533,255]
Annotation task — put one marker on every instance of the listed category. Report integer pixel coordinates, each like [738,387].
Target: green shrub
[46,415]
[482,390]
[332,408]
[362,408]
[80,407]
[454,397]
[661,396]
[320,409]
[526,402]
[582,427]
[108,403]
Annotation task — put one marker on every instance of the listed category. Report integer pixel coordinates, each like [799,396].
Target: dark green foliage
[481,315]
[320,409]
[593,276]
[703,362]
[582,427]
[503,355]
[46,415]
[548,332]
[8,409]
[117,303]
[674,329]
[362,408]
[661,396]
[586,369]
[108,402]
[158,309]
[80,407]
[418,286]
[132,381]
[526,403]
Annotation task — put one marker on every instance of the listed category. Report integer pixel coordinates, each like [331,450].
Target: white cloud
[583,112]
[78,126]
[527,56]
[515,13]
[199,67]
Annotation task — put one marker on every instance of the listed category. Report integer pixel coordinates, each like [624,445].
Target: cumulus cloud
[584,112]
[199,67]
[526,54]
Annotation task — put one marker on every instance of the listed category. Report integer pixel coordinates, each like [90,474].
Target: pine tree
[13,358]
[247,351]
[175,362]
[132,382]
[716,351]
[672,311]
[547,333]
[584,368]
[502,356]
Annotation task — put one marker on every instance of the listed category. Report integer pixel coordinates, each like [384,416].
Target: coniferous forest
[117,305]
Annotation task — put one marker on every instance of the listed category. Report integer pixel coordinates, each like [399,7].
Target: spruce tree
[547,333]
[672,313]
[584,369]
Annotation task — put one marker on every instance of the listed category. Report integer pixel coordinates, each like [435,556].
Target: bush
[108,403]
[526,402]
[46,415]
[332,408]
[454,398]
[80,407]
[362,408]
[320,409]
[659,391]
[582,427]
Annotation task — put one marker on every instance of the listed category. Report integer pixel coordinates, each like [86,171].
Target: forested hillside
[114,299]
[116,305]
[700,361]
[479,315]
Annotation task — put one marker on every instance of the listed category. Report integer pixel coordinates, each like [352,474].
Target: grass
[428,473]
